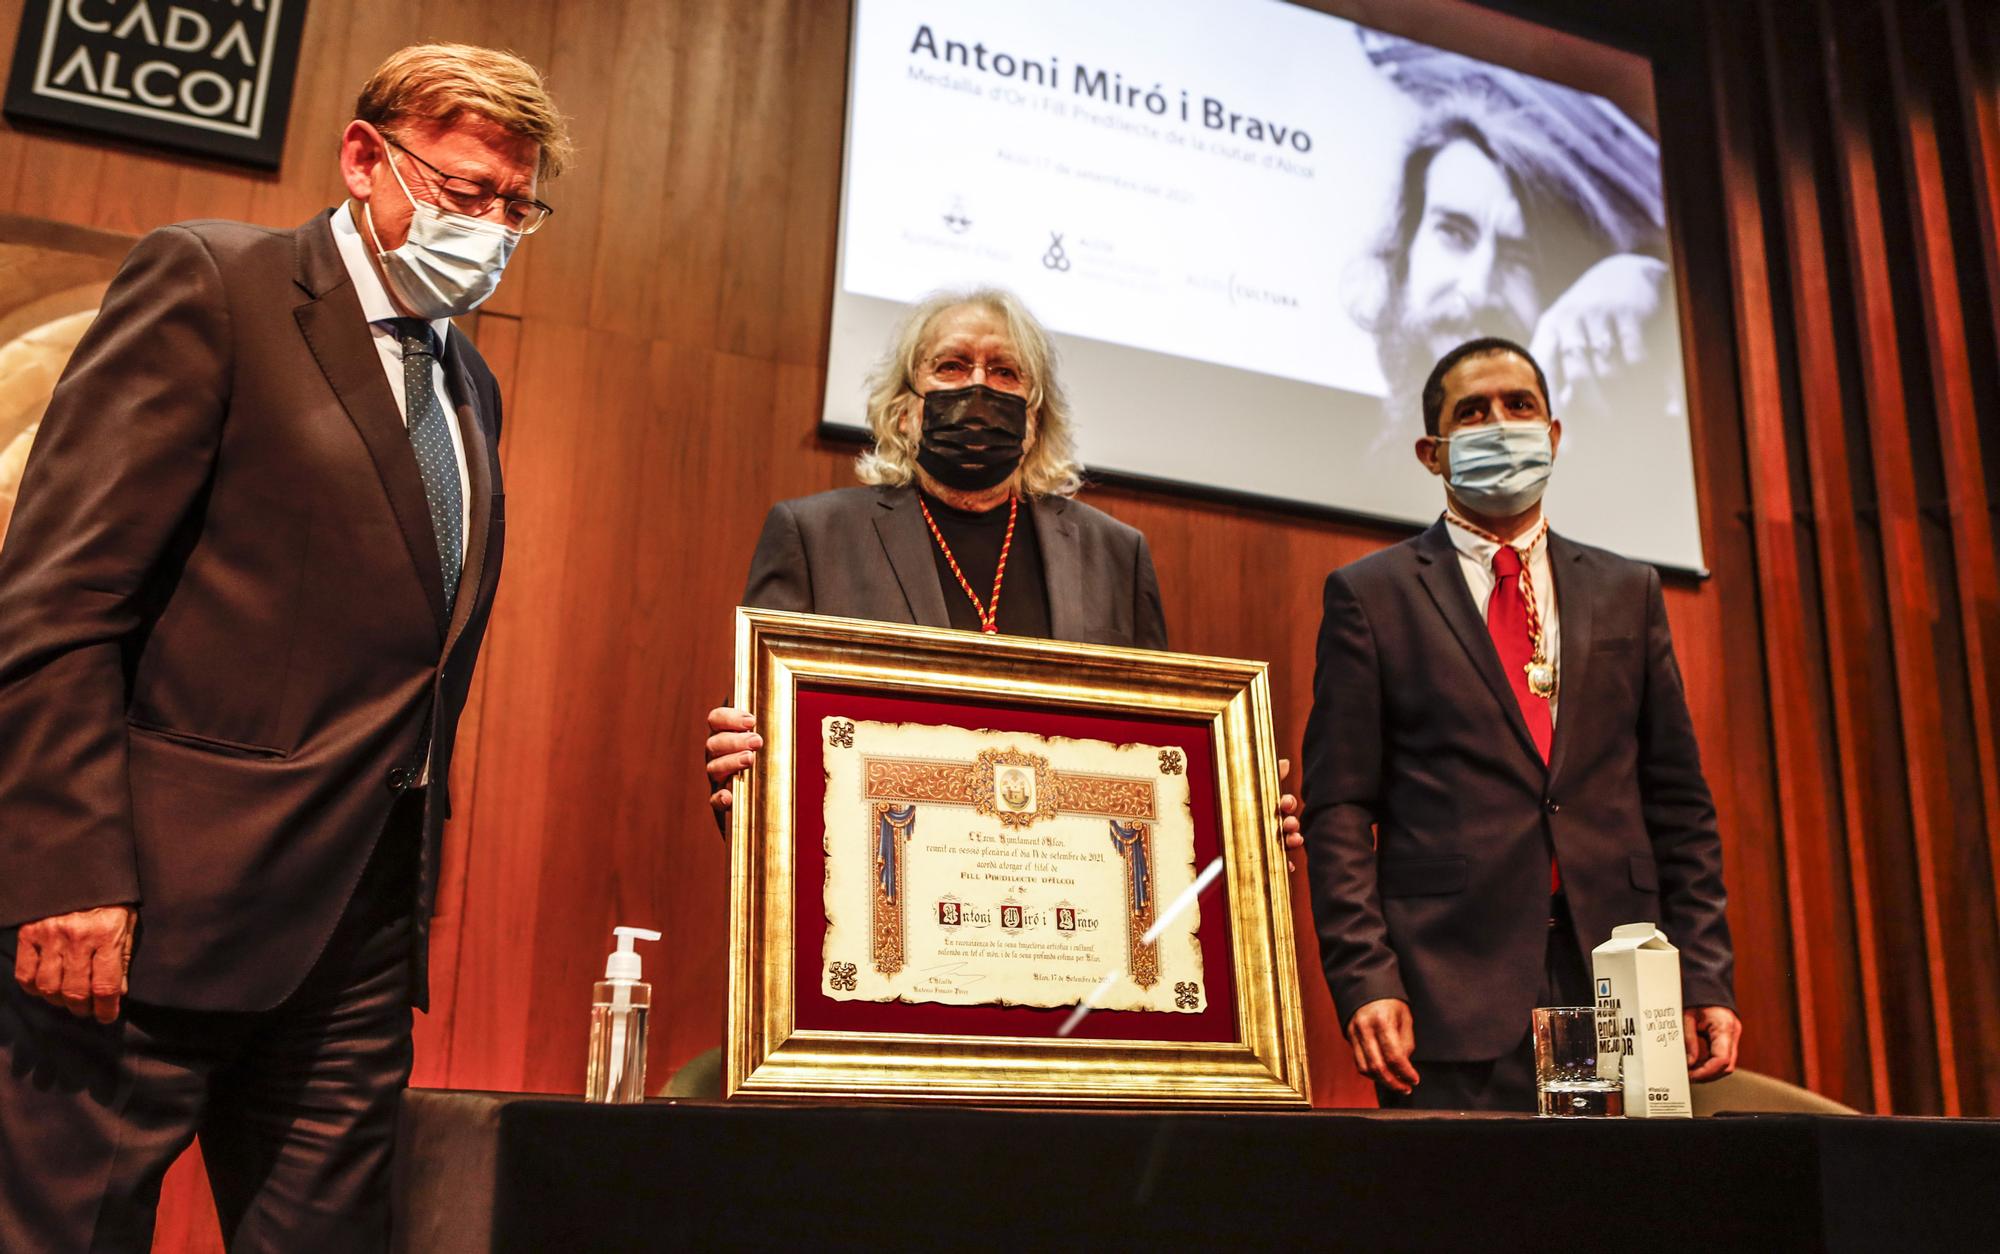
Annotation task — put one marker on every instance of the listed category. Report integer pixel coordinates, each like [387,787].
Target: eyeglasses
[954,368]
[473,198]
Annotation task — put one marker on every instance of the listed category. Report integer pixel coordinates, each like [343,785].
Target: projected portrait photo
[1528,210]
[1253,232]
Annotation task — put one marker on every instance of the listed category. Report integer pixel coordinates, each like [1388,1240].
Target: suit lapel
[341,343]
[1573,642]
[1062,566]
[907,542]
[482,472]
[1437,567]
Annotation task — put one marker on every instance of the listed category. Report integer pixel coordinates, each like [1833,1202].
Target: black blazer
[223,641]
[865,553]
[1415,734]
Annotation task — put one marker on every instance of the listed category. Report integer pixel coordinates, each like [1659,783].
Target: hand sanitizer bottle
[618,1006]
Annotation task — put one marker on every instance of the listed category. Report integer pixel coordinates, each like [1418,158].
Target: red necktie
[1507,623]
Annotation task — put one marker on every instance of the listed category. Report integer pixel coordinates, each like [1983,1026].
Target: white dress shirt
[378,308]
[1475,561]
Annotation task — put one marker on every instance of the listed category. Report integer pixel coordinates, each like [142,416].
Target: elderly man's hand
[1288,817]
[733,743]
[1382,1035]
[1711,1034]
[77,961]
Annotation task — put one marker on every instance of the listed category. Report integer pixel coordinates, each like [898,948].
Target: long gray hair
[1050,467]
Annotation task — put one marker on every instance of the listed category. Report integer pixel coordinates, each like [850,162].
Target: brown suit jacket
[866,553]
[223,639]
[1429,814]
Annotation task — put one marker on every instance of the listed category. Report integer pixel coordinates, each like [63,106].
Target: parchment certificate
[977,868]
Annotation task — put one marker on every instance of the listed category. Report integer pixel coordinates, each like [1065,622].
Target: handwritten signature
[954,970]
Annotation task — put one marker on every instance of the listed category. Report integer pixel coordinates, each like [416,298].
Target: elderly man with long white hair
[968,518]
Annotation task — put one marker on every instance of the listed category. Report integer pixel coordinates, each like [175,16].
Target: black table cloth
[507,1172]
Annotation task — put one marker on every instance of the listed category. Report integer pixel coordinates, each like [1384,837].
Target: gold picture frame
[782,1042]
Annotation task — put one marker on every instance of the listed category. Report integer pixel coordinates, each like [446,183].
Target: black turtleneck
[975,540]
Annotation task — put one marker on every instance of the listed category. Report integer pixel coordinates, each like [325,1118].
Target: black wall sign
[206,76]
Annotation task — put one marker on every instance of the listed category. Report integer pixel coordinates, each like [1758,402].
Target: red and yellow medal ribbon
[988,611]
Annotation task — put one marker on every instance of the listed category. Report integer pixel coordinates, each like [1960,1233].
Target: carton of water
[1637,976]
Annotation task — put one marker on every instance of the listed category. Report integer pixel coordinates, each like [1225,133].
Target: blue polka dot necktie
[431,438]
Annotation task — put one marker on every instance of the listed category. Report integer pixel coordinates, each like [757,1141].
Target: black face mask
[973,436]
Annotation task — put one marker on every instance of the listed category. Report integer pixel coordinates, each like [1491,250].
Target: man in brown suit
[254,553]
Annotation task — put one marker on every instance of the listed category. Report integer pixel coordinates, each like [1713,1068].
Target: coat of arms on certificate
[970,867]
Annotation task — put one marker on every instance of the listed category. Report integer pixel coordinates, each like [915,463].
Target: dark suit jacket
[866,553]
[223,641]
[1415,732]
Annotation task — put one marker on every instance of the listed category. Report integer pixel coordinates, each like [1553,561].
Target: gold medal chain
[1540,653]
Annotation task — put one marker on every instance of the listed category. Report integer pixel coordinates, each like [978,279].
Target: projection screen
[1253,226]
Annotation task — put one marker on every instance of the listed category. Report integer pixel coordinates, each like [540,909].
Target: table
[506,1172]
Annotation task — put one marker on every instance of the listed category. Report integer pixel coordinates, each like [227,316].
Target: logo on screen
[1055,258]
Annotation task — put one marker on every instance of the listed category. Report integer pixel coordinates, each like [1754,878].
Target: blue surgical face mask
[1500,469]
[450,263]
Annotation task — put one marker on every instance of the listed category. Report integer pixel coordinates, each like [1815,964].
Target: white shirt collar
[375,303]
[1480,550]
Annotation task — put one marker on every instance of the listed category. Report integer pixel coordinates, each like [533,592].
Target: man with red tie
[1499,769]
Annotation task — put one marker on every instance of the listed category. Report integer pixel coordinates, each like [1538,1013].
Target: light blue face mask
[450,263]
[1499,469]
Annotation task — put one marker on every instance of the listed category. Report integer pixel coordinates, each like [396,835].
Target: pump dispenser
[618,1006]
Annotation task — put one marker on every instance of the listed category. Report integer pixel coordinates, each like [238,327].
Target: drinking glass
[1571,1078]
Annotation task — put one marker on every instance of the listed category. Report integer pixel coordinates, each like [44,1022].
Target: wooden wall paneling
[499,946]
[1830,884]
[1720,656]
[1975,54]
[1834,883]
[671,870]
[1961,556]
[695,209]
[1904,561]
[640,72]
[555,283]
[716,457]
[812,194]
[13,142]
[61,178]
[521,28]
[625,69]
[1801,788]
[1881,851]
[764,124]
[611,621]
[308,177]
[134,191]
